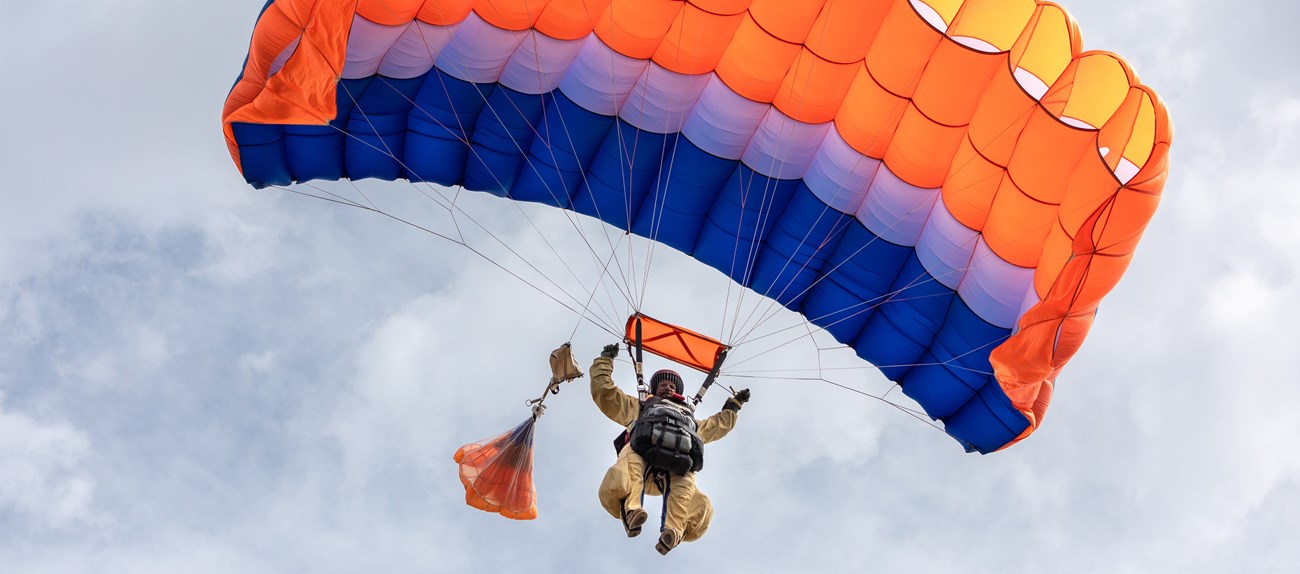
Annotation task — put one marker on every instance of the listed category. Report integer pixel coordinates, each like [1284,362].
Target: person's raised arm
[721,423]
[617,405]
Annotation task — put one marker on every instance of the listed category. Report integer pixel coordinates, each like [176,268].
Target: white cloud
[1240,299]
[43,478]
[257,362]
[239,248]
[138,351]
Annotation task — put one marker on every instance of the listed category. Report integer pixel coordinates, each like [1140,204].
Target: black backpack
[664,435]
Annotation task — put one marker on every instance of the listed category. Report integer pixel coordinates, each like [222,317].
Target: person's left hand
[611,350]
[734,402]
[742,396]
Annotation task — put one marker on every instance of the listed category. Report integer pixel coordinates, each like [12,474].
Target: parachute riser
[713,376]
[642,390]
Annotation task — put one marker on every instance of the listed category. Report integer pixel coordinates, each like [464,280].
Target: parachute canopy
[948,187]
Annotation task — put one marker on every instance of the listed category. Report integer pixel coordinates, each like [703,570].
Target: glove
[610,351]
[733,403]
[742,397]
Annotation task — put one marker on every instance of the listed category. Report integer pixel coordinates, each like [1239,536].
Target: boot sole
[664,539]
[633,521]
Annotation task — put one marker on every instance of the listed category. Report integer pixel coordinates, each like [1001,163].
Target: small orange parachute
[498,473]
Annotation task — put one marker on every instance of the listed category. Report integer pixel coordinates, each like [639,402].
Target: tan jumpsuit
[688,509]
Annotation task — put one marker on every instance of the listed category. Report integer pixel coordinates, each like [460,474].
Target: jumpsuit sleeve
[717,425]
[617,405]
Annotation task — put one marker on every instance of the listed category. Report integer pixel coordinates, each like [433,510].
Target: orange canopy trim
[498,473]
[674,343]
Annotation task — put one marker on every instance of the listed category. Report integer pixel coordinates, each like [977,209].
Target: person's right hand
[611,350]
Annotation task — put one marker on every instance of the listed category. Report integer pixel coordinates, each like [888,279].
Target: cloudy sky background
[200,377]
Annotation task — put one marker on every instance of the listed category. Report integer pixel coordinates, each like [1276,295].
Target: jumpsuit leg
[689,509]
[683,510]
[698,516]
[623,482]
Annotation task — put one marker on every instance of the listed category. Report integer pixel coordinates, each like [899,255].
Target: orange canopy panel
[675,343]
[498,473]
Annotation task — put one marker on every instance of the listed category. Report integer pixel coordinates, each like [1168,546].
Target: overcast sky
[200,377]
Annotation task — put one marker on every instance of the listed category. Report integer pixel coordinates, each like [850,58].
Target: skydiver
[662,442]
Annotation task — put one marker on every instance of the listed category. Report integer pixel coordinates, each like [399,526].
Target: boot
[668,540]
[632,521]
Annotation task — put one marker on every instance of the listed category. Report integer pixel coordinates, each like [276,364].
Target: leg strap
[667,486]
[665,483]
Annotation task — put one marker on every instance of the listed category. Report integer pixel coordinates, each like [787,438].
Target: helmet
[668,375]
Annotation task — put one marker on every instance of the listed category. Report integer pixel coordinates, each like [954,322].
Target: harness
[664,435]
